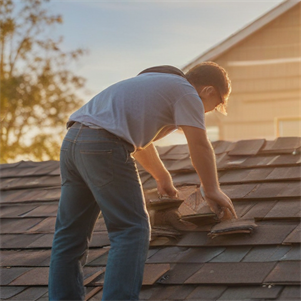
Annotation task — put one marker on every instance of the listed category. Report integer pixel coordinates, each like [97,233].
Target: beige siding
[265,70]
[250,131]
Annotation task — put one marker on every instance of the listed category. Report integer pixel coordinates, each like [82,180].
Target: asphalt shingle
[263,180]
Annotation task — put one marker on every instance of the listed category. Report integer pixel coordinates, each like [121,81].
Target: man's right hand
[220,204]
[165,187]
[203,160]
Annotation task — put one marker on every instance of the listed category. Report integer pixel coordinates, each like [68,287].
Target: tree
[37,87]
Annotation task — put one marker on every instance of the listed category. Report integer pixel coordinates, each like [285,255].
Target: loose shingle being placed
[261,177]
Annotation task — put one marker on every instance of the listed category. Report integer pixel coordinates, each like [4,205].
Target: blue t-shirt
[141,108]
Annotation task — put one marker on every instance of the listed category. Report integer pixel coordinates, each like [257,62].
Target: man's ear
[210,90]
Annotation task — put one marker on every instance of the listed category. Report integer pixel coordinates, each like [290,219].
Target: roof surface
[240,35]
[261,177]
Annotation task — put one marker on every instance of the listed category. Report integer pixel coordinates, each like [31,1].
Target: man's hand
[165,187]
[203,160]
[150,160]
[221,205]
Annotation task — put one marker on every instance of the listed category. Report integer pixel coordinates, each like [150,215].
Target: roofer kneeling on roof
[98,171]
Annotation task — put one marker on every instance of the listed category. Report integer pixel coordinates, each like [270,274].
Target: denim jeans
[98,173]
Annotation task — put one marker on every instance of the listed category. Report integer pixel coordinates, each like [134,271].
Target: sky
[124,37]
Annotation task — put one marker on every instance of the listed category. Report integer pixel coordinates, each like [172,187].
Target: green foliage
[36,84]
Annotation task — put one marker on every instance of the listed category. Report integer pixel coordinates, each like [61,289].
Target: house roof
[261,177]
[240,35]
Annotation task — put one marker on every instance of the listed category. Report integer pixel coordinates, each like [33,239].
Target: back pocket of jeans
[97,166]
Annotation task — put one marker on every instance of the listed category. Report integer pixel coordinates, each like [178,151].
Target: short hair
[211,74]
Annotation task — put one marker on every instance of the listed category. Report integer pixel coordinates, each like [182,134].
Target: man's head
[212,84]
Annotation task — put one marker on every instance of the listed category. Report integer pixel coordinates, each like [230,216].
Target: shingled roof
[261,177]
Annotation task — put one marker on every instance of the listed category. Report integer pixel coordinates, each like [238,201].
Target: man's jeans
[98,173]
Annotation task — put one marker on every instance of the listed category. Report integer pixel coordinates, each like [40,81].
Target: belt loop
[79,130]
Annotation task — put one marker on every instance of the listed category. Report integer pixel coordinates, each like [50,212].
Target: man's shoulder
[169,81]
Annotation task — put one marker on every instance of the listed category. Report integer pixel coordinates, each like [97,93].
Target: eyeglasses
[220,107]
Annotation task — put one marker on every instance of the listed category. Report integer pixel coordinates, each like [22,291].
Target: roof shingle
[261,177]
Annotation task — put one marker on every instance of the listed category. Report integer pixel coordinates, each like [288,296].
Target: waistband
[78,125]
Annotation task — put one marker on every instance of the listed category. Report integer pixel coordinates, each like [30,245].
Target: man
[98,171]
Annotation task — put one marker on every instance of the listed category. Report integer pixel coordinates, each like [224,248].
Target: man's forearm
[151,162]
[203,160]
[202,157]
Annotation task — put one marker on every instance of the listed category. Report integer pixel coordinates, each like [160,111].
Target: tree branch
[13,62]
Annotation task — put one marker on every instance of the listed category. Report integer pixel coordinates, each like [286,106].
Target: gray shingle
[231,273]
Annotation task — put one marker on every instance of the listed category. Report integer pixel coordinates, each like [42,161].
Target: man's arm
[203,160]
[150,160]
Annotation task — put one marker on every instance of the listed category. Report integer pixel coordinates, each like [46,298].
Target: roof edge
[241,34]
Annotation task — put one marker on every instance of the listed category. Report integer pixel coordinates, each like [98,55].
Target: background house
[264,64]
